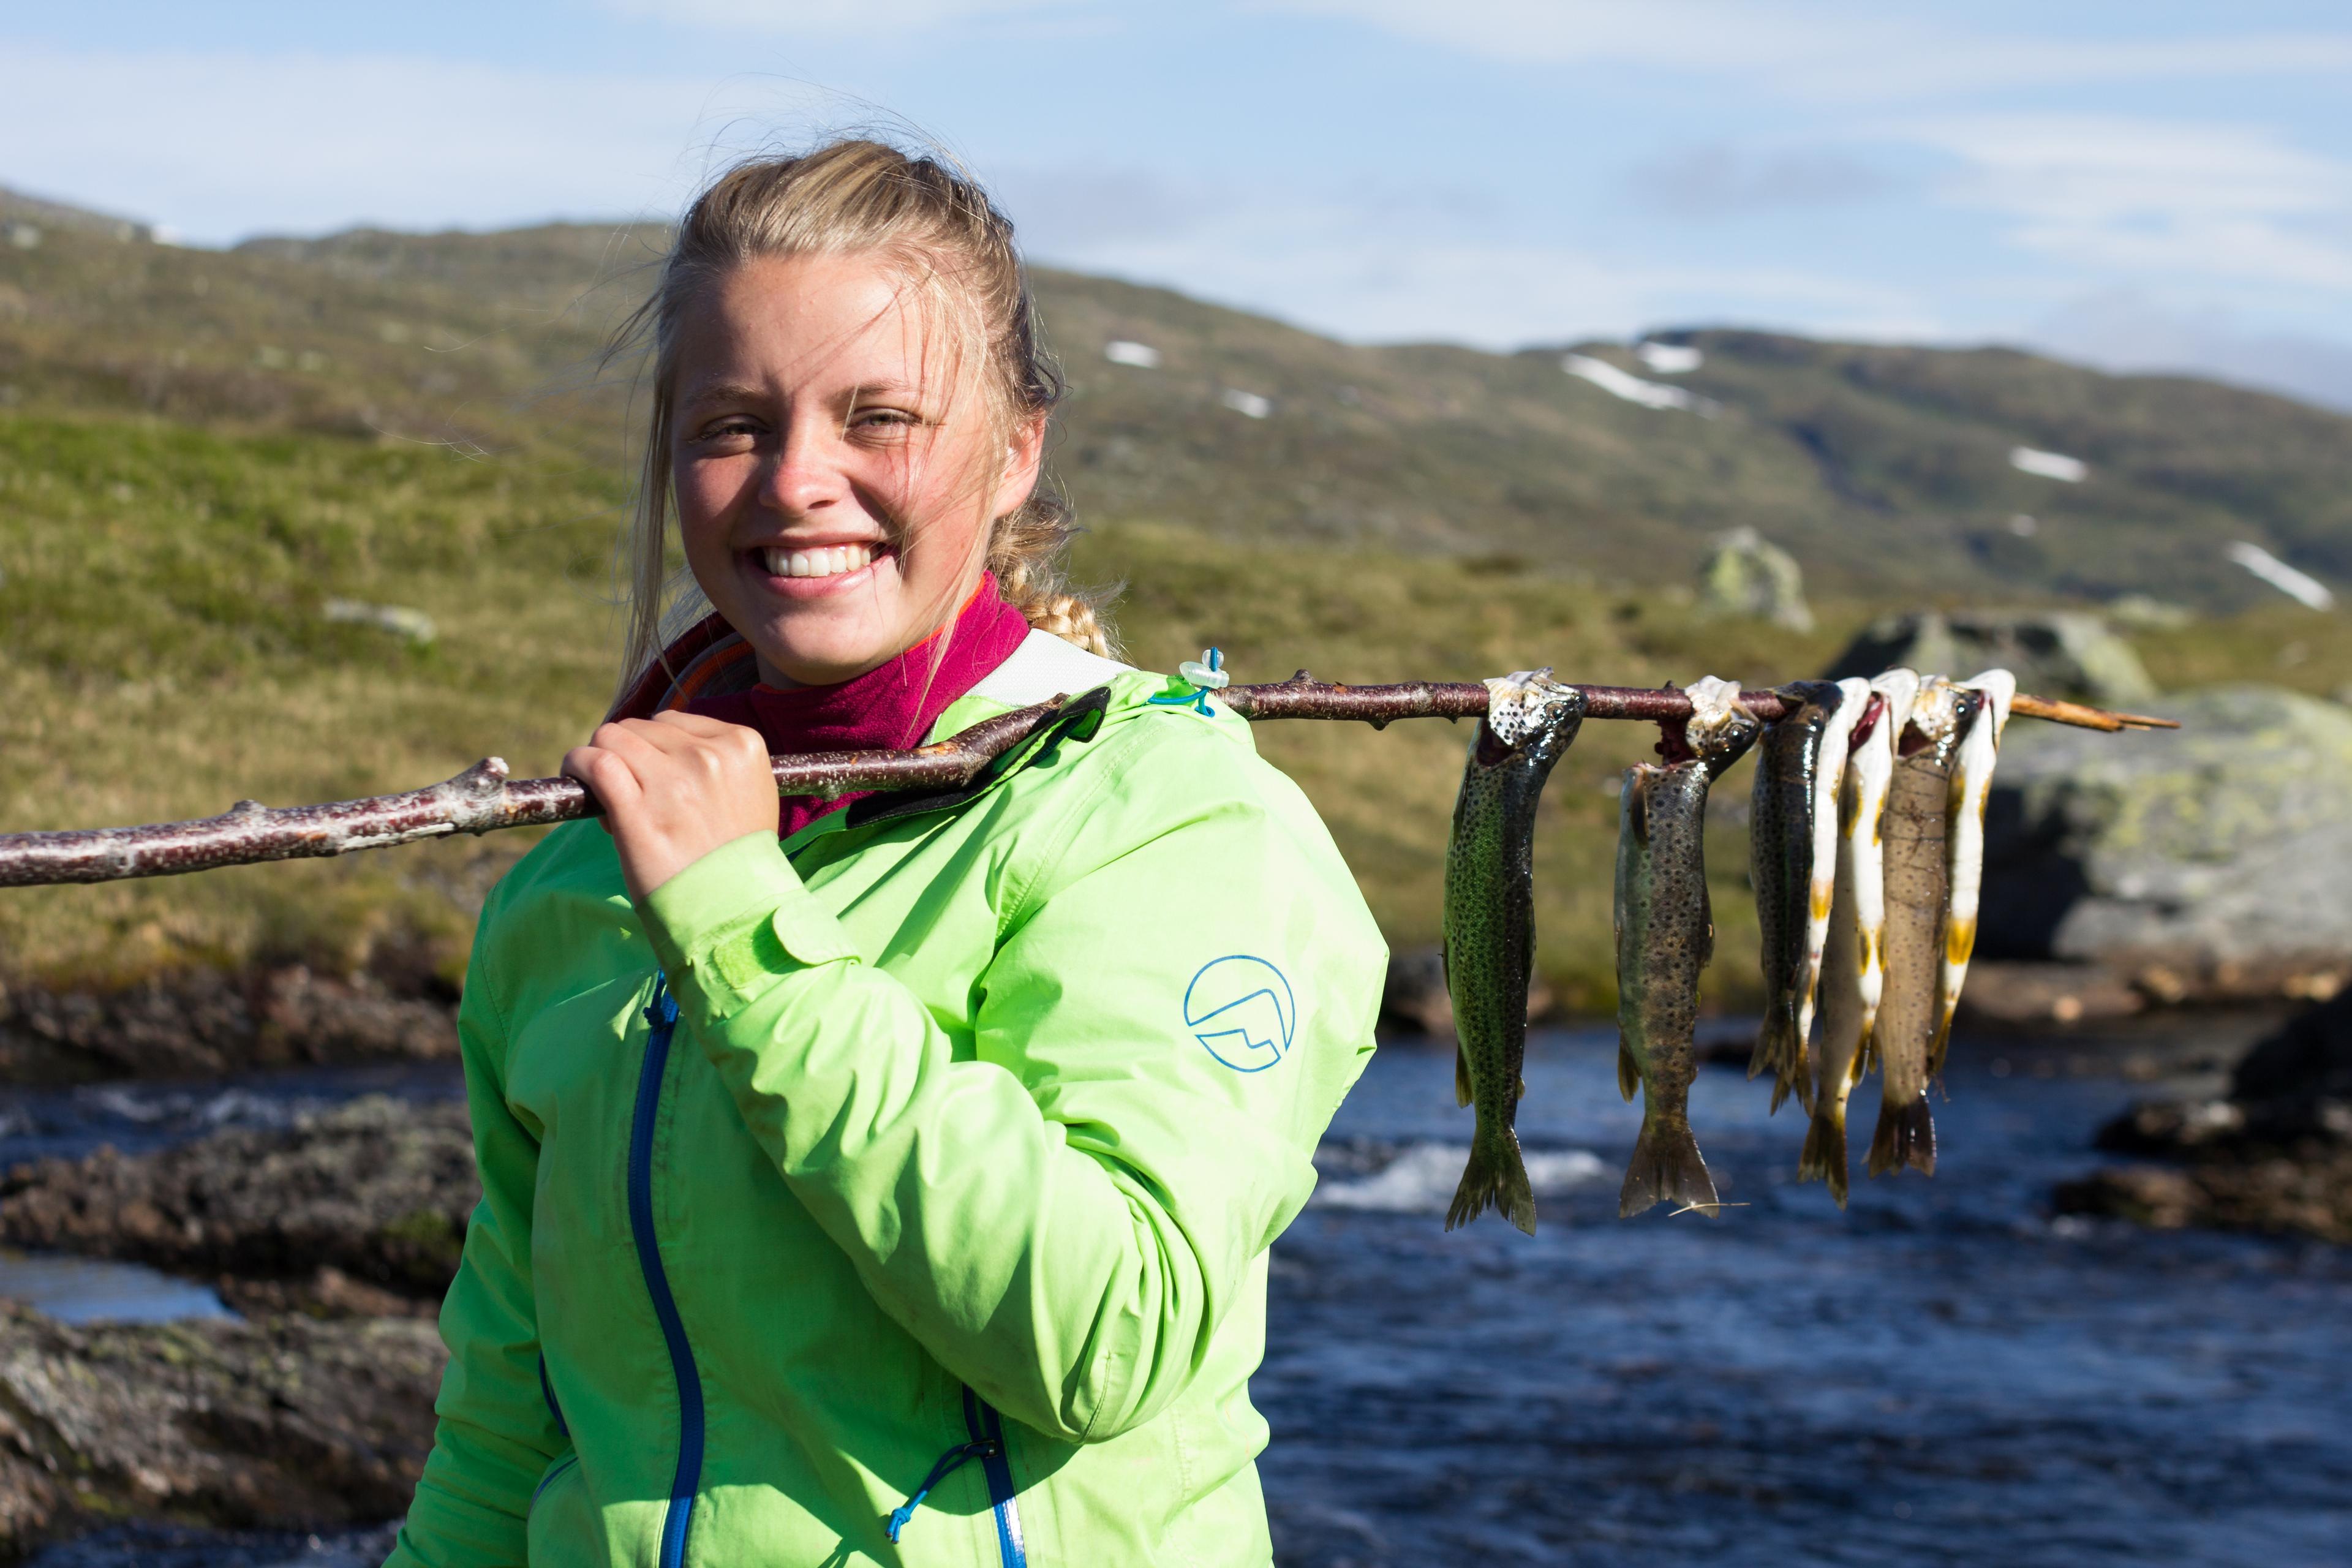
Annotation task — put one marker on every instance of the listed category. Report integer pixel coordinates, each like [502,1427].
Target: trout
[1918,888]
[1665,935]
[1850,975]
[1490,927]
[1792,850]
[1971,786]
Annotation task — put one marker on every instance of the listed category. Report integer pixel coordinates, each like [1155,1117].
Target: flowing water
[1942,1374]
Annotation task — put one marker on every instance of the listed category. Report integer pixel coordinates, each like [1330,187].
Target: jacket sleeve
[496,1435]
[1063,1221]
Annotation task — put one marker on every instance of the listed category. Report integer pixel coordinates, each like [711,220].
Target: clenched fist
[675,788]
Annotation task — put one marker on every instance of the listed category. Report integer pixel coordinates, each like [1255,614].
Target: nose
[804,476]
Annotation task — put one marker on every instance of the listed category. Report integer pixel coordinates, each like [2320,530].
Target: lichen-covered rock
[2214,860]
[2052,653]
[285,1423]
[379,1189]
[1749,575]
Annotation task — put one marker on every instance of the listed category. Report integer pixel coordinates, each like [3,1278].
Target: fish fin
[1939,1048]
[1825,1156]
[1521,1095]
[1461,1075]
[1496,1177]
[1666,1168]
[1629,1077]
[1907,1136]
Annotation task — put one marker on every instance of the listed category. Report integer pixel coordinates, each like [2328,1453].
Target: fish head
[1530,712]
[1936,710]
[1999,688]
[1900,688]
[1720,729]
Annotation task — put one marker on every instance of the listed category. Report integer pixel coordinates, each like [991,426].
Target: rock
[2208,863]
[288,1423]
[2036,995]
[379,1189]
[2309,1058]
[204,1022]
[1749,575]
[2052,653]
[2280,1194]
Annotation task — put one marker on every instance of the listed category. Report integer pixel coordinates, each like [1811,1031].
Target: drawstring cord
[949,1462]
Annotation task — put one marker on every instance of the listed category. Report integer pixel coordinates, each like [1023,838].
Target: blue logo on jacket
[1241,1009]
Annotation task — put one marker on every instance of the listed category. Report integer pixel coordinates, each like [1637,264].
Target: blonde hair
[935,224]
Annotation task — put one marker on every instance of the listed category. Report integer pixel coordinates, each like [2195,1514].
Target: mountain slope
[1886,469]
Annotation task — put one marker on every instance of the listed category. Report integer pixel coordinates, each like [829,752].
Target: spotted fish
[1490,927]
[1918,887]
[1665,935]
[1792,849]
[1851,972]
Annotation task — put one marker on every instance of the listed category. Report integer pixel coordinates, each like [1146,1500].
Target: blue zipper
[662,1014]
[987,1429]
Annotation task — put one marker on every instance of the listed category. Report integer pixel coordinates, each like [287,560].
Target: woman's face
[833,487]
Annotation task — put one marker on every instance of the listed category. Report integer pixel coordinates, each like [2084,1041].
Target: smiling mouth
[824,561]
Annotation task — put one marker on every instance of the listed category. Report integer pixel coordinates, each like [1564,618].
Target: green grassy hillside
[199,450]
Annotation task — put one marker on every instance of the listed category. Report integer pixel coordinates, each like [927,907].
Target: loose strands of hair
[939,228]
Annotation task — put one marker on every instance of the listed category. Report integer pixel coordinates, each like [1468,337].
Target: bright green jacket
[941,1144]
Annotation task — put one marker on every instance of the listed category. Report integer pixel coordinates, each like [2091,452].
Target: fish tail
[1907,1136]
[1666,1168]
[1780,1050]
[1824,1157]
[1496,1178]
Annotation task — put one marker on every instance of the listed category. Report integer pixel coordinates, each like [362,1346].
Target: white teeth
[828,561]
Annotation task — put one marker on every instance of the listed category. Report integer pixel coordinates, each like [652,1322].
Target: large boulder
[2052,653]
[2215,859]
[1749,575]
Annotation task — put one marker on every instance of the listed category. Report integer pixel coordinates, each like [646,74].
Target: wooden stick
[482,799]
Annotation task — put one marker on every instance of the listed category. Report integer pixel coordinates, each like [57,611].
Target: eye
[882,418]
[732,432]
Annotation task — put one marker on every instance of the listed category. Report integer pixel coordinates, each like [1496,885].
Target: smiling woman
[939,1184]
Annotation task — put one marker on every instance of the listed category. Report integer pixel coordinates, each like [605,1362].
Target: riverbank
[1948,1369]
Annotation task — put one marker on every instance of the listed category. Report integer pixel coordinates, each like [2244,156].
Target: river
[1942,1374]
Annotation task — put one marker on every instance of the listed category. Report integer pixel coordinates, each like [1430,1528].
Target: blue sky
[2143,185]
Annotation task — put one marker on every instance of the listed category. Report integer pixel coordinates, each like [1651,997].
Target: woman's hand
[674,788]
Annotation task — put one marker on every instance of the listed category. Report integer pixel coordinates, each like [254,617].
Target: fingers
[607,775]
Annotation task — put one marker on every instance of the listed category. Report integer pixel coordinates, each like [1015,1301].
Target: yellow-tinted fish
[1852,977]
[1971,786]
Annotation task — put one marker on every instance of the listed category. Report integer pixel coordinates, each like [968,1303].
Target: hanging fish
[1851,974]
[1665,935]
[1792,857]
[1971,787]
[1916,828]
[1490,927]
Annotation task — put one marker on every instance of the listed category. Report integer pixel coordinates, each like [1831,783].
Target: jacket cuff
[731,923]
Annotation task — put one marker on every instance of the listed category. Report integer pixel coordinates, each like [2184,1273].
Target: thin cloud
[1835,52]
[841,17]
[2129,197]
[1721,179]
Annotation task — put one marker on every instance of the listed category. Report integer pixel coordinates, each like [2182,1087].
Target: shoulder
[570,882]
[1045,666]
